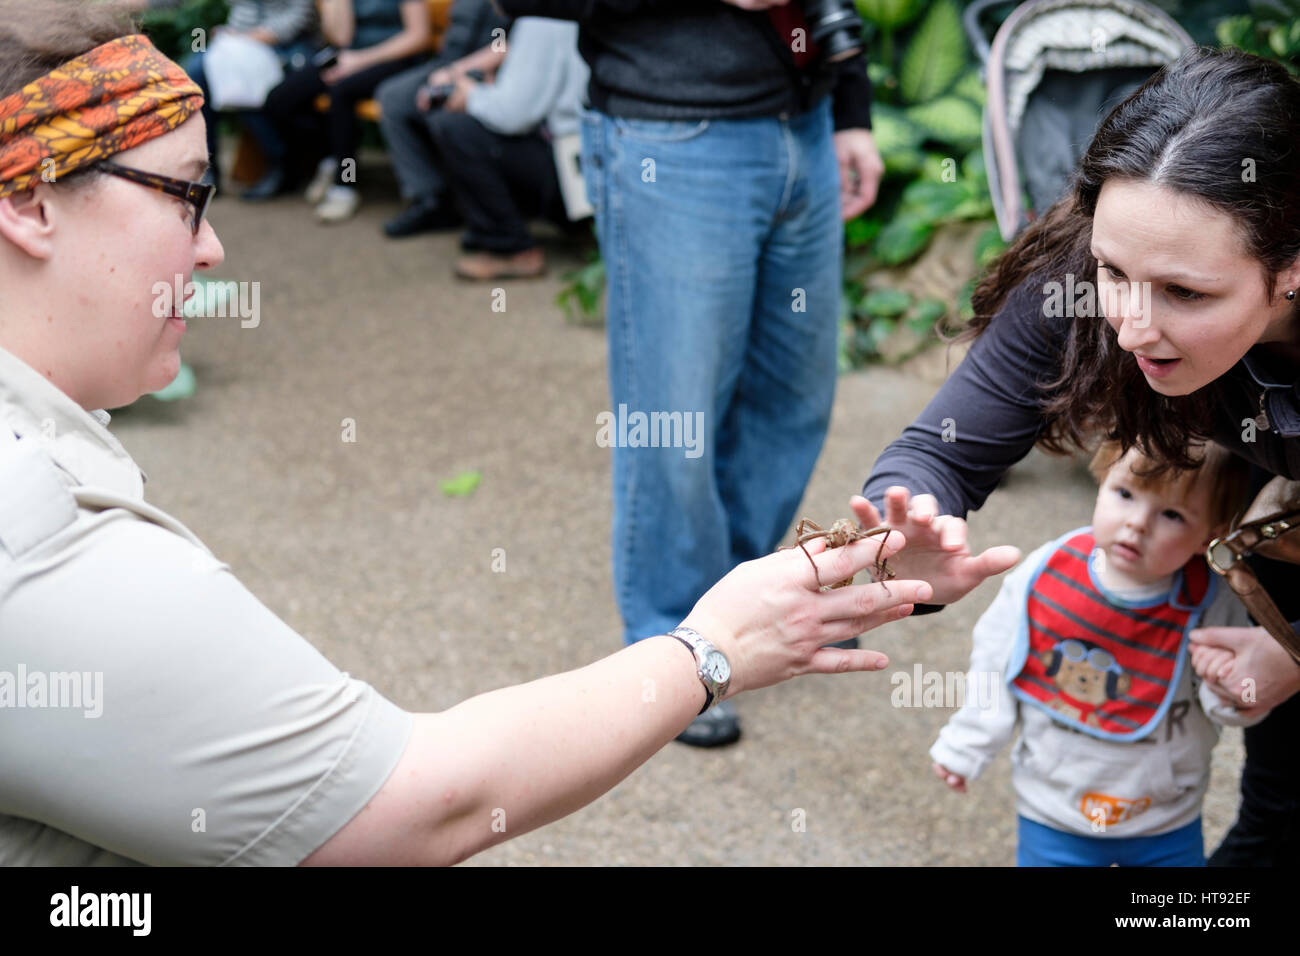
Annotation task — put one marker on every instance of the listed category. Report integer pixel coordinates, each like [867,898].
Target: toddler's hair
[1228,475]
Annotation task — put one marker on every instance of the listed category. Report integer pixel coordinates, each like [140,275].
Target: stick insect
[842,532]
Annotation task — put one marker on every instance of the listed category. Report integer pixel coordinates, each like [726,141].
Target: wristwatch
[711,664]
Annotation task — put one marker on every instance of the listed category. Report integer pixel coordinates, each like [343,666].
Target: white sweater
[1069,780]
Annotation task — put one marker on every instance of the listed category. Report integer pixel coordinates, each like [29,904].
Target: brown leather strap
[1262,608]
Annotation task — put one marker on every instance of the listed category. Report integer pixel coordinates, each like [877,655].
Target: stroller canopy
[1055,68]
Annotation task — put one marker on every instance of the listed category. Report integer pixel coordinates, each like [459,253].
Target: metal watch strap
[699,664]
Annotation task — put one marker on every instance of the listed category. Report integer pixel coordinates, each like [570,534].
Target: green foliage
[971,87]
[988,246]
[890,14]
[886,322]
[903,238]
[172,31]
[927,121]
[948,119]
[885,303]
[579,298]
[935,56]
[462,486]
[1272,32]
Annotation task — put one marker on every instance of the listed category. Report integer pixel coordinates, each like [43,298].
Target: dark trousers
[499,182]
[291,108]
[1267,831]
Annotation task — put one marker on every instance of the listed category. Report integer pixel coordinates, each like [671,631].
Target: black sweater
[698,59]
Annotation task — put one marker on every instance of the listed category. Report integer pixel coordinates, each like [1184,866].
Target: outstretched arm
[503,763]
[984,419]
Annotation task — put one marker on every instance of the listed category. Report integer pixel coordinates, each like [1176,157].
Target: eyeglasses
[198,195]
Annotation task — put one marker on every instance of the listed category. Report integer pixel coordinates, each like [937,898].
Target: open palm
[937,550]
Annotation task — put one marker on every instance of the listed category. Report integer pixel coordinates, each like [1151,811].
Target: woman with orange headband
[153,710]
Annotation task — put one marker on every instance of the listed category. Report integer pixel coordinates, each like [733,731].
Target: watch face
[717,667]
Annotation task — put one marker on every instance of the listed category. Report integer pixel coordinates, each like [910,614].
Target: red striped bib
[1094,662]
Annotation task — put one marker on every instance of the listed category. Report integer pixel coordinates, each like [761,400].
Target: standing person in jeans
[467,45]
[721,154]
[375,39]
[288,26]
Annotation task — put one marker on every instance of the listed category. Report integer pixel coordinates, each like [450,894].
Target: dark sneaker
[715,727]
[421,217]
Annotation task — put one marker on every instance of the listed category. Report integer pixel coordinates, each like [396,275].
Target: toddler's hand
[954,780]
[1211,662]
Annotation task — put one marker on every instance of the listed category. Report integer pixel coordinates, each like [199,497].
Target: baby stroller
[1054,70]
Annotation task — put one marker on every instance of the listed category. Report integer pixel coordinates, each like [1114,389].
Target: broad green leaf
[1235,31]
[977,207]
[462,485]
[971,87]
[903,238]
[939,168]
[892,131]
[902,162]
[889,14]
[933,201]
[886,303]
[936,54]
[949,119]
[925,314]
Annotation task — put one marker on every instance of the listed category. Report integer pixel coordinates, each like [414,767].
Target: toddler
[1089,638]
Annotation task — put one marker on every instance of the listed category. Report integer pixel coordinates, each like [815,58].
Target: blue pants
[723,249]
[1045,846]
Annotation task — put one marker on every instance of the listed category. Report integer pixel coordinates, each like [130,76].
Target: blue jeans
[1046,846]
[723,251]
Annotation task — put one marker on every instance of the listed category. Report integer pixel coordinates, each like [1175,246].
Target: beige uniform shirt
[151,709]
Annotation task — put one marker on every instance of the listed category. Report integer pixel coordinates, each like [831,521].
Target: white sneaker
[340,203]
[324,178]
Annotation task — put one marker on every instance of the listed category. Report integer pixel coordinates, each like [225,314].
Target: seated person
[375,39]
[287,26]
[467,45]
[494,144]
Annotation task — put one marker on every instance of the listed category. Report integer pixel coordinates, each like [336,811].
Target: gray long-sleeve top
[542,78]
[990,411]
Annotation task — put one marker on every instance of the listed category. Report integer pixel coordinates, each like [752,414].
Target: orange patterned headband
[116,96]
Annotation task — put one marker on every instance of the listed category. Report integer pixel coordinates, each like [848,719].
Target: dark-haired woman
[1156,304]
